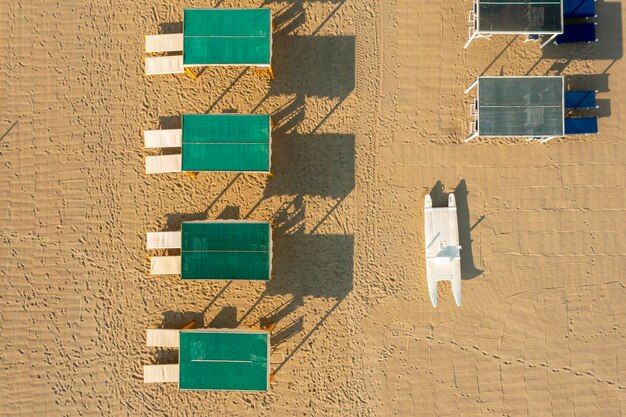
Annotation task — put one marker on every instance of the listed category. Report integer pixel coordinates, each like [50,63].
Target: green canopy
[226,142]
[235,360]
[227,37]
[226,249]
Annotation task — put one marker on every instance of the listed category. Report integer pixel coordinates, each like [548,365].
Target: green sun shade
[226,142]
[224,360]
[237,250]
[520,106]
[227,36]
[520,16]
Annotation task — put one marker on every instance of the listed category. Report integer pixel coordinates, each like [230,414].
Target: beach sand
[371,116]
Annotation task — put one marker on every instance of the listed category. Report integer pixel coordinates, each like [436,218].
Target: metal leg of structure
[191,73]
[266,71]
[470,39]
[548,139]
[472,136]
[474,84]
[550,39]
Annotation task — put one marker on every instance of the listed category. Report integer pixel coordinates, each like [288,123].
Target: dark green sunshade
[226,142]
[520,16]
[226,250]
[520,106]
[224,360]
[227,36]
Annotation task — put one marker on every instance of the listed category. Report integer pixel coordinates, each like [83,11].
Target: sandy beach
[371,116]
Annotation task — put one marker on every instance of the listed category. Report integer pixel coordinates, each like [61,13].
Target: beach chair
[164,65]
[165,138]
[580,99]
[577,33]
[581,125]
[164,43]
[160,164]
[532,38]
[163,338]
[579,8]
[165,265]
[164,240]
[160,373]
[443,260]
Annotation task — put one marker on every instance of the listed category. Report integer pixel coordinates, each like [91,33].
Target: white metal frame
[475,31]
[543,139]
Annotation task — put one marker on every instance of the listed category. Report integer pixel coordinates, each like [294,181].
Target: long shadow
[174,220]
[468,269]
[312,265]
[289,18]
[309,66]
[307,337]
[226,318]
[215,298]
[170,122]
[290,216]
[171,27]
[320,66]
[223,93]
[598,82]
[229,213]
[288,116]
[498,56]
[179,319]
[320,164]
[9,130]
[287,332]
[608,32]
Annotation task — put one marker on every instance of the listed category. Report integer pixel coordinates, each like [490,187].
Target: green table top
[227,37]
[235,360]
[226,249]
[226,142]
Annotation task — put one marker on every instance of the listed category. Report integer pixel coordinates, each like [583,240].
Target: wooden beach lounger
[164,43]
[164,240]
[160,373]
[163,338]
[164,65]
[165,138]
[161,164]
[165,265]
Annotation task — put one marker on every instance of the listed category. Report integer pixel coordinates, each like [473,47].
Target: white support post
[470,39]
[550,39]
[547,139]
[472,136]
[471,86]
